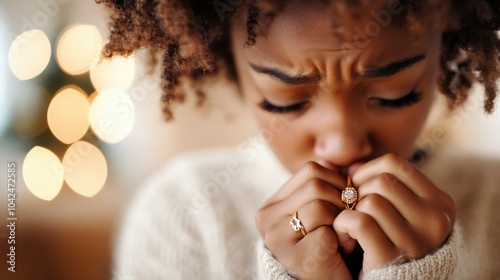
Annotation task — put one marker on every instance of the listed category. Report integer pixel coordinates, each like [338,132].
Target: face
[339,101]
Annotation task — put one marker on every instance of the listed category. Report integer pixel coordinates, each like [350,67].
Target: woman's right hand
[314,192]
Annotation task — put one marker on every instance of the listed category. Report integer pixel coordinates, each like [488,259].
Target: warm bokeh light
[29,54]
[112,115]
[68,114]
[77,47]
[117,72]
[29,112]
[85,168]
[43,173]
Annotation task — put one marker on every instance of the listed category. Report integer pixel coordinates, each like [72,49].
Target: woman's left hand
[400,214]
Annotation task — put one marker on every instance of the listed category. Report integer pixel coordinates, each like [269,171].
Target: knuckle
[440,227]
[401,166]
[321,208]
[391,159]
[315,186]
[323,233]
[311,169]
[363,222]
[387,180]
[328,239]
[326,244]
[371,202]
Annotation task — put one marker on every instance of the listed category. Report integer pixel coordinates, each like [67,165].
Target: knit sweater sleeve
[439,265]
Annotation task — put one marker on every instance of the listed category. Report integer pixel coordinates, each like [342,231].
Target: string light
[80,160]
[29,54]
[77,47]
[112,115]
[117,72]
[43,173]
[68,113]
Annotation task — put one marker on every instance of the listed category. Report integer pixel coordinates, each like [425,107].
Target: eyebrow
[286,78]
[373,72]
[391,68]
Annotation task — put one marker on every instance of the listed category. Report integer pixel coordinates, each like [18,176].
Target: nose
[341,140]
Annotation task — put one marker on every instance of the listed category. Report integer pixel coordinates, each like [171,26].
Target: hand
[314,192]
[400,214]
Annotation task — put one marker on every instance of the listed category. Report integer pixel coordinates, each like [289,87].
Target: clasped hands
[400,216]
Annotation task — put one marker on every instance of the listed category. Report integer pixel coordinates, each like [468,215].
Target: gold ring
[297,224]
[349,195]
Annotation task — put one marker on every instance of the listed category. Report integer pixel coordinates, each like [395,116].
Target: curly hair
[193,39]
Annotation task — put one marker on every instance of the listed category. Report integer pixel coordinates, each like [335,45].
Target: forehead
[371,32]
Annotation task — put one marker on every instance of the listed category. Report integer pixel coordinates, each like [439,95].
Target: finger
[313,190]
[310,216]
[401,169]
[320,247]
[316,214]
[420,212]
[303,255]
[308,171]
[378,248]
[281,235]
[389,187]
[395,227]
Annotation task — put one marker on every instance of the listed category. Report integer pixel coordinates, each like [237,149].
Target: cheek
[289,140]
[399,133]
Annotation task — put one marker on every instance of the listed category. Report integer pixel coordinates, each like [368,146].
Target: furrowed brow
[284,77]
[391,68]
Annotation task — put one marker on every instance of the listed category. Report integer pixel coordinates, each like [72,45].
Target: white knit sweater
[195,220]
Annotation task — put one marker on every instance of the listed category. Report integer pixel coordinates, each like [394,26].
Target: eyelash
[266,106]
[405,101]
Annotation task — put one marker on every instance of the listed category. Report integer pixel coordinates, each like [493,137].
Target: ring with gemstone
[297,224]
[349,195]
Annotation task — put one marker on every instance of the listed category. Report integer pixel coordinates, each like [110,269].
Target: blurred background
[80,135]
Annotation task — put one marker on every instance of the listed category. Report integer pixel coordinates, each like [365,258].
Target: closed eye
[267,106]
[407,100]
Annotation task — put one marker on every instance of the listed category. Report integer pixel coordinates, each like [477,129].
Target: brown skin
[343,128]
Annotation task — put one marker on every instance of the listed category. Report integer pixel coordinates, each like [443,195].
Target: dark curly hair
[192,36]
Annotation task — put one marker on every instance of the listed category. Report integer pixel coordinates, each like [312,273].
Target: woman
[340,91]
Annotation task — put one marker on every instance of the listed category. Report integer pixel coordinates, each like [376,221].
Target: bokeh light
[112,115]
[68,114]
[29,114]
[85,168]
[117,72]
[43,173]
[29,54]
[77,47]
